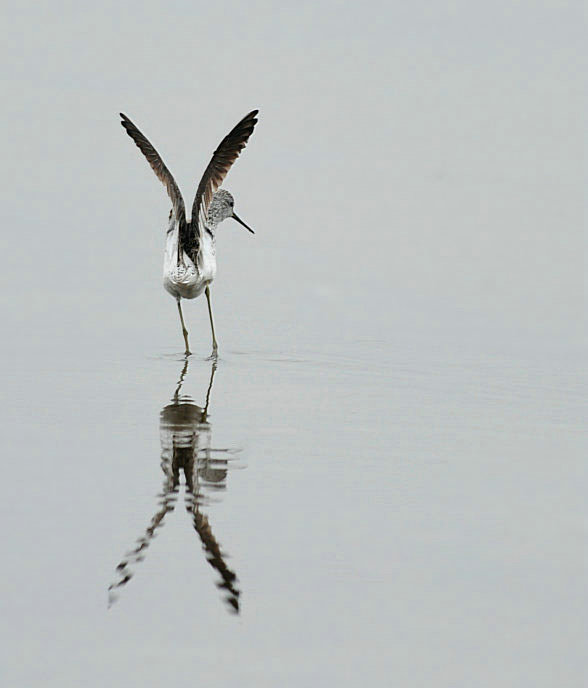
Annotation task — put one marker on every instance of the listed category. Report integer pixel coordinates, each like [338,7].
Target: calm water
[382,511]
[382,480]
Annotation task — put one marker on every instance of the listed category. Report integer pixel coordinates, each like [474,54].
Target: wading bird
[189,264]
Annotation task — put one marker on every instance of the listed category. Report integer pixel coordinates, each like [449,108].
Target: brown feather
[218,167]
[158,166]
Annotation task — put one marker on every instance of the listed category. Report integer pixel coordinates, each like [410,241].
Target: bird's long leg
[214,344]
[184,330]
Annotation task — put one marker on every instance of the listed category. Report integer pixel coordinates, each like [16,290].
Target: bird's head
[221,207]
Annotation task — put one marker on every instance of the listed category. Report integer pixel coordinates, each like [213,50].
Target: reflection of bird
[190,254]
[186,447]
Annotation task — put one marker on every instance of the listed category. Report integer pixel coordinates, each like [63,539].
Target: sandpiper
[189,265]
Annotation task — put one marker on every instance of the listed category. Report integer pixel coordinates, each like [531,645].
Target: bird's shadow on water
[186,447]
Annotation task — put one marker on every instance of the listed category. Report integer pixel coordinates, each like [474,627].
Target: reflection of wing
[124,572]
[158,166]
[215,558]
[222,160]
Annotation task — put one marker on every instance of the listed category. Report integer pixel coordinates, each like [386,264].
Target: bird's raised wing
[158,166]
[222,159]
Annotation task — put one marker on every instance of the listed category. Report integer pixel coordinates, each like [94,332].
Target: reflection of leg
[214,344]
[181,380]
[212,372]
[184,330]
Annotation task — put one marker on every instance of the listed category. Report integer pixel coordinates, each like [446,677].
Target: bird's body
[183,279]
[189,265]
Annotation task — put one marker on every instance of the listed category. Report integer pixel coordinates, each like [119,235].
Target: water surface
[381,482]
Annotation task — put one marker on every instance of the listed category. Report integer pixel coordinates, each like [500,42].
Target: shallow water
[382,480]
[375,514]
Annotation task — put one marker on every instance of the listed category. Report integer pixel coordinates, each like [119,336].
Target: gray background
[401,343]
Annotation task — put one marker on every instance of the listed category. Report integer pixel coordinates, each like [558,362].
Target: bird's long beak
[240,221]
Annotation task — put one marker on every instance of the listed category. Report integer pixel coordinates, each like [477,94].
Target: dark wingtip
[250,117]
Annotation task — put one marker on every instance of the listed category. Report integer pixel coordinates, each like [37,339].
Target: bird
[189,265]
